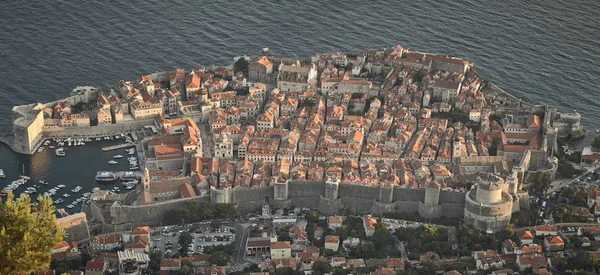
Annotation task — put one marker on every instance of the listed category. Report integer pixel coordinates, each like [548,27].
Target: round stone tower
[488,206]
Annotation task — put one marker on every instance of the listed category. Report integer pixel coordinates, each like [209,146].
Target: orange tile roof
[335,219]
[555,240]
[141,230]
[525,235]
[332,239]
[280,245]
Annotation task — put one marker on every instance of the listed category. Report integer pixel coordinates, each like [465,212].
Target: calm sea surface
[49,47]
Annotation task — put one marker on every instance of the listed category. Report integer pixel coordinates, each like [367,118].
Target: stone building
[488,207]
[223,147]
[28,124]
[294,78]
[259,69]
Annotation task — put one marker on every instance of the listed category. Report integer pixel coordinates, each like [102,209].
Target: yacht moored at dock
[106,176]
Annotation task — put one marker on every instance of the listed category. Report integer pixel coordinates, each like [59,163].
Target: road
[400,246]
[239,262]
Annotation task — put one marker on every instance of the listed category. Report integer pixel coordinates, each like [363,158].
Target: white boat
[129,187]
[97,139]
[61,186]
[66,195]
[59,201]
[118,156]
[41,149]
[70,206]
[52,147]
[44,182]
[112,162]
[47,142]
[96,189]
[2,174]
[134,168]
[60,152]
[76,189]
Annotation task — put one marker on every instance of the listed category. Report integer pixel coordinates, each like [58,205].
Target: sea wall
[96,131]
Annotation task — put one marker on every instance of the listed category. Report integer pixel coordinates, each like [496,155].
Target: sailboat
[23,177]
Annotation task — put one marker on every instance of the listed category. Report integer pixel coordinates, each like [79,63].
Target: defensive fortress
[377,131]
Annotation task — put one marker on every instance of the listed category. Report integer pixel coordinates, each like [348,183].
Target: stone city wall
[96,131]
[356,198]
[126,216]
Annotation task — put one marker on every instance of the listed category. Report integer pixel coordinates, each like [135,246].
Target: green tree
[224,211]
[155,258]
[220,258]
[312,216]
[322,266]
[27,233]
[185,239]
[241,65]
[186,267]
[596,143]
[176,216]
[566,169]
[216,223]
[288,271]
[206,210]
[382,238]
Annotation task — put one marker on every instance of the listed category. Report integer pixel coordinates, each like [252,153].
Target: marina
[58,176]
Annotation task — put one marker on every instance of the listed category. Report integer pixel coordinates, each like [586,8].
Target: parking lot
[166,239]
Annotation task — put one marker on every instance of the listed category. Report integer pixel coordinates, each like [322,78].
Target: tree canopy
[220,258]
[596,142]
[27,234]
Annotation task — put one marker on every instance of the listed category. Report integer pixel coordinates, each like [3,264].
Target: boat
[59,201]
[129,187]
[41,149]
[118,156]
[133,168]
[76,189]
[2,174]
[112,162]
[24,178]
[47,142]
[70,206]
[106,176]
[96,189]
[44,182]
[597,130]
[66,195]
[60,152]
[61,186]
[36,186]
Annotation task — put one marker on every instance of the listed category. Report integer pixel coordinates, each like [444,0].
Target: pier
[123,175]
[118,146]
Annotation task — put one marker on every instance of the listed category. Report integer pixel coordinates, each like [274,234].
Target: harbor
[70,179]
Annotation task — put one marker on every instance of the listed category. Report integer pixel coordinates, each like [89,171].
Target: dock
[125,175]
[119,146]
